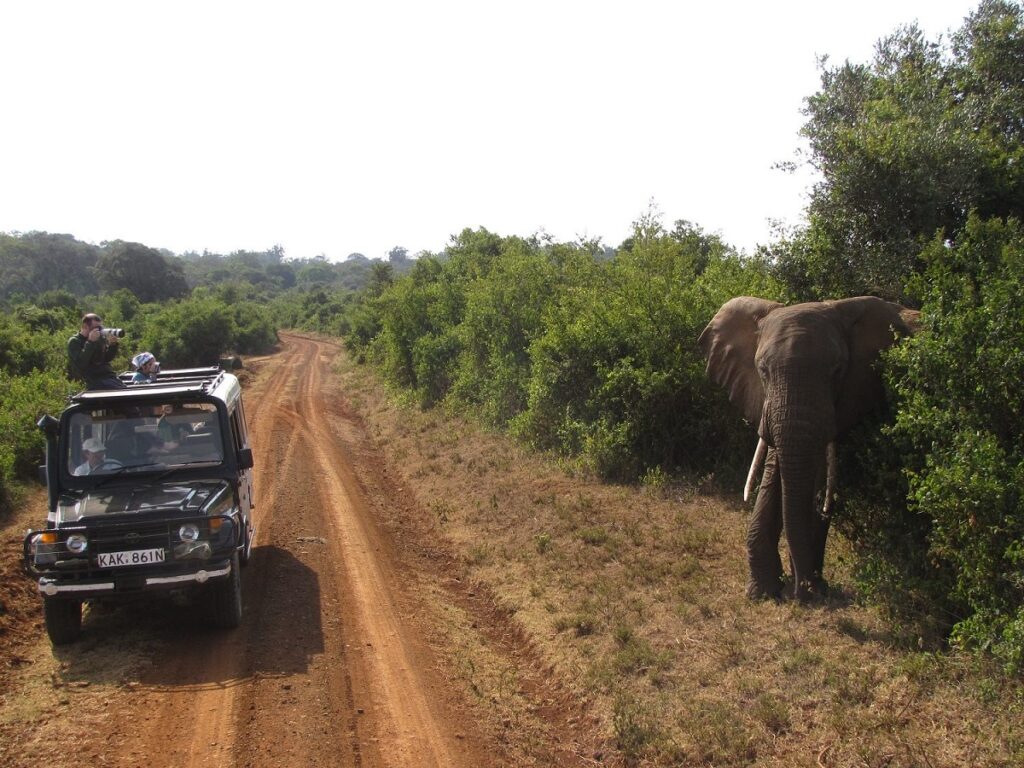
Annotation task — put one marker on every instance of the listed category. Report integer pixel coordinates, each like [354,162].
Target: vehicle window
[133,438]
[236,431]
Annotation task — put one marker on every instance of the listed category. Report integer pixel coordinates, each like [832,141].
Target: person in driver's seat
[94,453]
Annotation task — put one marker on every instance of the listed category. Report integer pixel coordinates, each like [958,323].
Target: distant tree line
[33,263]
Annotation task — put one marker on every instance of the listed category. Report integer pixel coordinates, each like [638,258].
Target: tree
[38,261]
[960,429]
[907,146]
[318,270]
[142,270]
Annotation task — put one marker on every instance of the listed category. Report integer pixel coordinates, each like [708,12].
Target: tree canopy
[142,270]
[907,147]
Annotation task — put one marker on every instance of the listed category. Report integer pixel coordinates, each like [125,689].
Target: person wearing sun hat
[146,368]
[94,453]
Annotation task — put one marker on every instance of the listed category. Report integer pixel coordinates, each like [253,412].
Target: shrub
[23,400]
[961,426]
[254,329]
[190,333]
[617,376]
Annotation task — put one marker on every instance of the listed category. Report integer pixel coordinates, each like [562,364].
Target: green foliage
[907,146]
[190,333]
[503,314]
[34,263]
[572,352]
[961,427]
[617,376]
[32,338]
[23,400]
[254,331]
[143,271]
[416,346]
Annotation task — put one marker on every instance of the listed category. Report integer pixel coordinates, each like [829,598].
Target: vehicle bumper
[131,583]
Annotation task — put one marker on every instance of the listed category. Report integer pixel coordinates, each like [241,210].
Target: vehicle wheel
[225,598]
[63,620]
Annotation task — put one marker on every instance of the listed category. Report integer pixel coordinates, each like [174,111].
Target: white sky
[335,127]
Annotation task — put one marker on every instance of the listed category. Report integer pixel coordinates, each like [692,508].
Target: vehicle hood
[193,498]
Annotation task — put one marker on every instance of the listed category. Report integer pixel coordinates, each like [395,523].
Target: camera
[109,333]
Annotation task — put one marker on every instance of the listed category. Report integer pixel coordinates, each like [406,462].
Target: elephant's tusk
[762,449]
[830,476]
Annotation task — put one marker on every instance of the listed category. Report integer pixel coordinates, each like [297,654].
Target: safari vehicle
[150,491]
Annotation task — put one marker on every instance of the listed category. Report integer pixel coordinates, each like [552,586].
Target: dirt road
[333,665]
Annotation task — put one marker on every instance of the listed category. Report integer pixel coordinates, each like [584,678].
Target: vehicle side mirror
[245,460]
[41,476]
[49,425]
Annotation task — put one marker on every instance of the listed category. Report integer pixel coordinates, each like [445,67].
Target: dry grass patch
[635,596]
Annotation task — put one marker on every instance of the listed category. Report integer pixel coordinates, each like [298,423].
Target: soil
[345,655]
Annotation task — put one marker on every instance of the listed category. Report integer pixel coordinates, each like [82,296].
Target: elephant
[804,375]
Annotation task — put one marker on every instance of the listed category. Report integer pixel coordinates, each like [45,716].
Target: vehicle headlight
[189,532]
[43,548]
[77,543]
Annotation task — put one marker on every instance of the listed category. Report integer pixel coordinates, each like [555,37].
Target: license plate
[133,557]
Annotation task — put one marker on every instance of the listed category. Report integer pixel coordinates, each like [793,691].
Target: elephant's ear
[872,325]
[729,342]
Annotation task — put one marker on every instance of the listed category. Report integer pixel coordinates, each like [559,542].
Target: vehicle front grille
[134,537]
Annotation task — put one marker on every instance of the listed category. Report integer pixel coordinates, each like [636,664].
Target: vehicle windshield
[132,438]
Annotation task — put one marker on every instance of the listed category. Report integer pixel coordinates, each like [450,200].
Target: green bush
[254,329]
[617,377]
[195,332]
[504,313]
[571,351]
[35,339]
[960,425]
[23,400]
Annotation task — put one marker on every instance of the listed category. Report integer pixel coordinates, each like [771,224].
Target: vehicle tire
[225,598]
[63,620]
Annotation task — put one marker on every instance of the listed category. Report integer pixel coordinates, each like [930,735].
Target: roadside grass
[634,595]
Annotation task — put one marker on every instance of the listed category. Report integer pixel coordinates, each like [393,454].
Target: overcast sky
[337,127]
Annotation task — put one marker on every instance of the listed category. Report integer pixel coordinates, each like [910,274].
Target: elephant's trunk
[831,472]
[800,426]
[800,474]
[755,466]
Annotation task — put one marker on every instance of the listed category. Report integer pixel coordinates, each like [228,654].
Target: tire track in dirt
[214,711]
[412,732]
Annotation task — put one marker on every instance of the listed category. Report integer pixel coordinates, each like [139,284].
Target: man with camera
[90,352]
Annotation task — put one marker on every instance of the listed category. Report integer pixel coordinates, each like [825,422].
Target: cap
[94,445]
[142,358]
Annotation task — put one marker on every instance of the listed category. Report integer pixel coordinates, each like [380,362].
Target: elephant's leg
[822,523]
[763,536]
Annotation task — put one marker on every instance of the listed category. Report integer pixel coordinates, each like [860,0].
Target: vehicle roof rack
[180,381]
